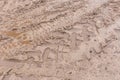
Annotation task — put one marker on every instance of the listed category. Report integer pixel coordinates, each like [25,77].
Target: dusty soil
[59,39]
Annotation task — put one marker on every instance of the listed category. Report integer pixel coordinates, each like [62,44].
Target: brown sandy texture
[59,39]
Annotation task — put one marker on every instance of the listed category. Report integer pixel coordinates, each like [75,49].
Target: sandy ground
[59,39]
